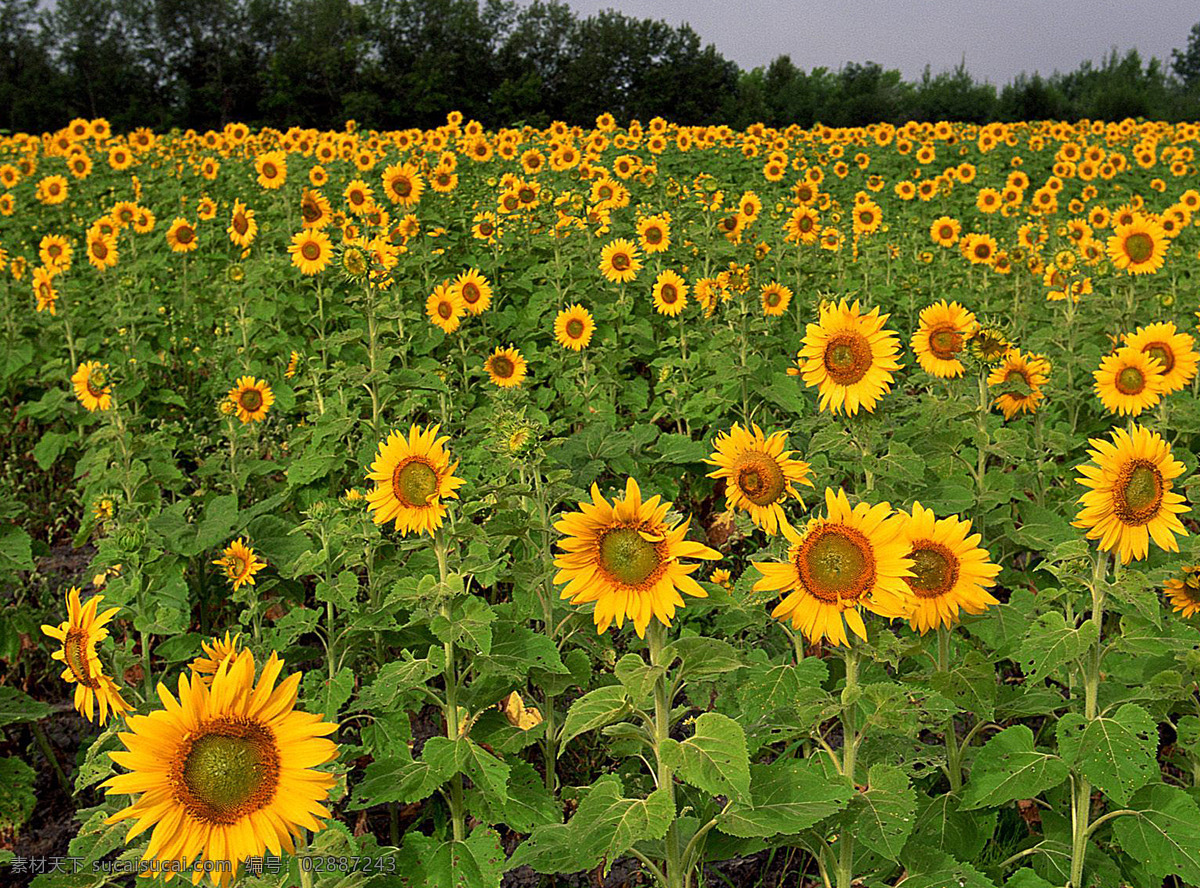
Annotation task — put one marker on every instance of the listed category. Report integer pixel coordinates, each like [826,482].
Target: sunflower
[445,308]
[988,344]
[250,399]
[315,210]
[1020,378]
[79,634]
[1184,591]
[412,477]
[181,236]
[670,293]
[1130,500]
[474,290]
[854,557]
[979,249]
[1129,381]
[52,190]
[1138,246]
[43,289]
[403,185]
[311,250]
[271,167]
[775,298]
[573,327]
[226,771]
[941,338]
[627,559]
[950,571]
[242,227]
[55,252]
[654,233]
[850,356]
[102,250]
[945,231]
[867,218]
[240,562]
[804,226]
[91,386]
[1175,351]
[505,367]
[619,262]
[359,197]
[759,474]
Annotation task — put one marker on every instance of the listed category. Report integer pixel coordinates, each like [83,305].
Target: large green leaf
[17,706]
[1164,836]
[883,815]
[1008,767]
[594,709]
[931,868]
[475,862]
[714,758]
[1052,642]
[1116,754]
[787,796]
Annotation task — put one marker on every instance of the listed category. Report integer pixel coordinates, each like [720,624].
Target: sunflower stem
[373,340]
[1081,800]
[953,753]
[550,741]
[662,731]
[451,679]
[845,863]
[43,742]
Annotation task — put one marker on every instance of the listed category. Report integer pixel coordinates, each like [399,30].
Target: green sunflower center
[628,557]
[575,328]
[403,186]
[355,263]
[847,358]
[95,383]
[1130,381]
[945,342]
[620,261]
[501,366]
[229,769]
[75,656]
[1139,247]
[251,399]
[311,251]
[935,570]
[1163,354]
[836,563]
[760,479]
[414,482]
[1139,493]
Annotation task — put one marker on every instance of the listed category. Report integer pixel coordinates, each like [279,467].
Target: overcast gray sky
[999,39]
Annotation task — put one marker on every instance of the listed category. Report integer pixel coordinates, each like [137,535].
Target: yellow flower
[669,293]
[79,634]
[949,572]
[412,477]
[1175,351]
[474,291]
[505,367]
[216,652]
[240,562]
[445,308]
[775,299]
[250,398]
[619,262]
[1129,381]
[573,327]
[850,356]
[1020,378]
[759,474]
[1138,246]
[91,388]
[311,250]
[941,338]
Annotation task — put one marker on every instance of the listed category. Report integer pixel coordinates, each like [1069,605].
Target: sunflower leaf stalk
[455,796]
[662,730]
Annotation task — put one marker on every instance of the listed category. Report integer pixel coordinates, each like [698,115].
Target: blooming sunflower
[654,234]
[474,290]
[311,250]
[1183,591]
[43,289]
[412,477]
[1138,246]
[505,367]
[1020,378]
[850,356]
[102,249]
[226,771]
[573,327]
[627,559]
[759,474]
[950,570]
[242,227]
[775,299]
[445,308]
[271,167]
[91,386]
[670,293]
[250,398]
[944,231]
[854,557]
[619,262]
[216,652]
[941,338]
[181,236]
[1175,351]
[403,185]
[79,634]
[241,563]
[1129,381]
[1131,500]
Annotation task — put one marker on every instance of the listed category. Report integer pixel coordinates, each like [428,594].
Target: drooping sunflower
[412,477]
[1020,378]
[1183,592]
[619,262]
[311,250]
[1138,246]
[445,308]
[181,236]
[506,367]
[573,327]
[941,338]
[216,652]
[1130,500]
[79,634]
[850,356]
[250,399]
[474,290]
[1129,381]
[625,557]
[850,559]
[1175,351]
[669,293]
[950,570]
[775,299]
[315,209]
[91,386]
[242,226]
[240,563]
[759,474]
[226,771]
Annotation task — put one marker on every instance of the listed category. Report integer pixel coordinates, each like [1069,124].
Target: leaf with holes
[1008,767]
[1116,754]
[883,815]
[788,795]
[1164,836]
[1052,642]
[713,759]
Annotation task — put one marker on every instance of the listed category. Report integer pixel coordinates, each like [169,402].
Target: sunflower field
[624,505]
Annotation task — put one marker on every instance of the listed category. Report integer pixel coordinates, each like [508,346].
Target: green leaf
[517,649]
[16,792]
[787,796]
[931,868]
[220,519]
[401,779]
[1132,593]
[883,816]
[1164,836]
[713,759]
[594,709]
[941,824]
[637,676]
[604,827]
[49,448]
[1052,642]
[681,449]
[1008,767]
[400,677]
[469,625]
[1116,754]
[488,773]
[16,551]
[703,658]
[17,706]
[476,862]
[1027,878]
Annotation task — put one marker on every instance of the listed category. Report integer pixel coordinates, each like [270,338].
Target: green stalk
[662,730]
[549,741]
[451,711]
[1081,797]
[953,753]
[845,863]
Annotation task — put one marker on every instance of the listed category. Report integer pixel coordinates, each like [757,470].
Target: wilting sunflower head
[850,559]
[626,558]
[78,636]
[759,474]
[226,770]
[1130,498]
